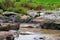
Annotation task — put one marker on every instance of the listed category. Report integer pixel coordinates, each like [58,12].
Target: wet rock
[33,13]
[14,26]
[39,38]
[9,26]
[4,35]
[1,11]
[29,25]
[10,37]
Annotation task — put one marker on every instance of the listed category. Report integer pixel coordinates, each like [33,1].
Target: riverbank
[45,31]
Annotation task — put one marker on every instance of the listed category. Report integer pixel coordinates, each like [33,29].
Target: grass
[39,1]
[43,1]
[31,4]
[46,1]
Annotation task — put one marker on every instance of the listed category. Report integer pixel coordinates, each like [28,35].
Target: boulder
[9,26]
[1,11]
[4,35]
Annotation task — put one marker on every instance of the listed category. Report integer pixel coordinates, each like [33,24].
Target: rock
[9,26]
[1,11]
[39,38]
[4,35]
[29,25]
[32,13]
[14,26]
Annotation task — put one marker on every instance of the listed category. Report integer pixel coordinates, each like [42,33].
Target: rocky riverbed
[31,35]
[38,34]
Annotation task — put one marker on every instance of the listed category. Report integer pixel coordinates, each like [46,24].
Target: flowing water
[37,33]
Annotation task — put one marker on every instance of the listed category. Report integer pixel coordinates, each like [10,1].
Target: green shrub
[21,6]
[10,9]
[32,5]
[17,4]
[21,10]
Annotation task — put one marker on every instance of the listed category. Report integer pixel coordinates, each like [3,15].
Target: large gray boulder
[52,20]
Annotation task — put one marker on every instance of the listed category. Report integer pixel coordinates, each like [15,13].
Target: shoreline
[45,31]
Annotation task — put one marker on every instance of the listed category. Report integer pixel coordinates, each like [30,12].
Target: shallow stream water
[36,33]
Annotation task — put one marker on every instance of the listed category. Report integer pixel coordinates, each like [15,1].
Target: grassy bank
[21,6]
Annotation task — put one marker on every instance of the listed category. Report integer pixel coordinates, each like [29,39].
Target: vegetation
[21,6]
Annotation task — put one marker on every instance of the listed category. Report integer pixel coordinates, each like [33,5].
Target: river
[37,33]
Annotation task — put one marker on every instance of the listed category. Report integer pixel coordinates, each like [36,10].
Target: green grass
[40,1]
[46,1]
[43,1]
[20,5]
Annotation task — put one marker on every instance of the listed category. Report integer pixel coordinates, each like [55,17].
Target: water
[26,37]
[36,34]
